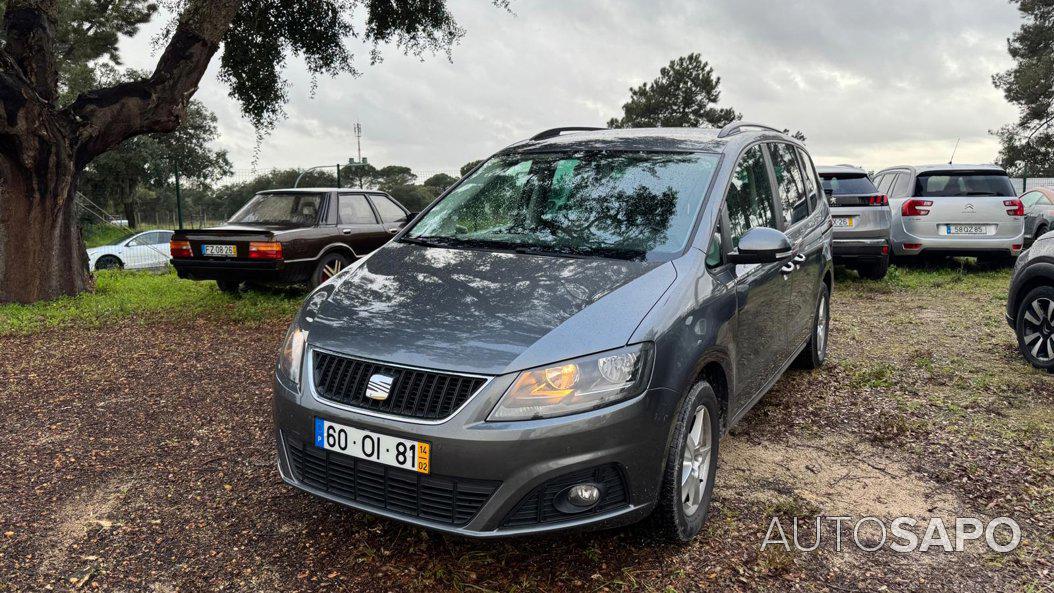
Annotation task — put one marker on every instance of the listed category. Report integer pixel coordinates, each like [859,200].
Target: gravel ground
[140,458]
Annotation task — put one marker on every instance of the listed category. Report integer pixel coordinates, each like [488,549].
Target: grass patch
[149,296]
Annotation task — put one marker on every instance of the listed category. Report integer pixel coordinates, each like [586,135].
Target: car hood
[484,312]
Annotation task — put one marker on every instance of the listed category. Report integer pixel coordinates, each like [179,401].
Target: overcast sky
[871,82]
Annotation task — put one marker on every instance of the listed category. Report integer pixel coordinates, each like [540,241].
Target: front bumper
[508,461]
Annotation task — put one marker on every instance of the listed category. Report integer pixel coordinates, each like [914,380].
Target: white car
[140,251]
[958,210]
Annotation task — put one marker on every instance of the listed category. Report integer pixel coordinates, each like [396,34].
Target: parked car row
[958,210]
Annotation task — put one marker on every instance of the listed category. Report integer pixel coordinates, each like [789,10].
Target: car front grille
[413,393]
[540,505]
[435,498]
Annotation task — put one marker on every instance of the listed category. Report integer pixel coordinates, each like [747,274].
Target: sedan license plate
[219,250]
[379,448]
[843,222]
[966,229]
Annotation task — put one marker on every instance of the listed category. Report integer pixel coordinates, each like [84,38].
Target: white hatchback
[140,251]
[969,210]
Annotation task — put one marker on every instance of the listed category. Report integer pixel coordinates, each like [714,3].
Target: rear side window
[847,184]
[902,188]
[1034,197]
[354,209]
[886,182]
[750,196]
[810,177]
[388,210]
[963,183]
[791,184]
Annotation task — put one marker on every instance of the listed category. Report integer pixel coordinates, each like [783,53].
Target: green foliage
[440,181]
[469,166]
[147,297]
[414,197]
[683,95]
[1029,84]
[233,196]
[265,32]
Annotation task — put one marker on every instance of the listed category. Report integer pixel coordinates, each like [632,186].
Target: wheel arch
[338,247]
[120,262]
[1042,275]
[713,367]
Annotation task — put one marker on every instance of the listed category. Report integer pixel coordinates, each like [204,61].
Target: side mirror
[762,245]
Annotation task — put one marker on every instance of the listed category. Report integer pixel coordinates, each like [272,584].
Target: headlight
[577,385]
[292,353]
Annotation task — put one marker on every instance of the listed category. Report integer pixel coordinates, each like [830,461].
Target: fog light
[584,495]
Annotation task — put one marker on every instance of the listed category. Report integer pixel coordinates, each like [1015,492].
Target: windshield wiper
[548,251]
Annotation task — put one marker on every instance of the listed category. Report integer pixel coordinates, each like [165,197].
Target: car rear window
[937,184]
[848,184]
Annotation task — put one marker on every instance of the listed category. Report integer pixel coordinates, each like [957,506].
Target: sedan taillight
[916,207]
[265,250]
[1014,207]
[882,200]
[180,249]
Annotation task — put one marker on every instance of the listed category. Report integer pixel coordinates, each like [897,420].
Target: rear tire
[328,266]
[815,352]
[229,286]
[874,271]
[1035,328]
[109,262]
[684,498]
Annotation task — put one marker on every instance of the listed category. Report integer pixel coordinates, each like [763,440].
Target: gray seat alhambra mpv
[563,336]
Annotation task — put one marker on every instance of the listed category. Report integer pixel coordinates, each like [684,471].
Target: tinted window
[963,183]
[750,196]
[283,209]
[388,210]
[791,184]
[843,184]
[612,204]
[354,209]
[1031,198]
[810,177]
[164,237]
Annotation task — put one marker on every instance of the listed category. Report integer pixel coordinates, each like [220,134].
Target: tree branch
[103,118]
[29,28]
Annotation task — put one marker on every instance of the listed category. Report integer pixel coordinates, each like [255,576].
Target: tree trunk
[41,250]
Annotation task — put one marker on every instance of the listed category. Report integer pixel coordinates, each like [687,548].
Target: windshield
[293,208]
[843,185]
[963,183]
[608,204]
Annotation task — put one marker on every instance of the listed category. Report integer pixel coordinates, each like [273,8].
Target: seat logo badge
[379,386]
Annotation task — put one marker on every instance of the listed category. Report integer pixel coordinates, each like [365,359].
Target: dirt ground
[140,458]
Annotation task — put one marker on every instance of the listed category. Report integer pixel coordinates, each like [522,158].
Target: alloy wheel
[695,461]
[332,268]
[821,326]
[1038,329]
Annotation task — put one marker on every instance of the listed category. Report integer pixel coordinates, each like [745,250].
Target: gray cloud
[870,82]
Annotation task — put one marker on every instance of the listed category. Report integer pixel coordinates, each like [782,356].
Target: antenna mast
[358,139]
[954,150]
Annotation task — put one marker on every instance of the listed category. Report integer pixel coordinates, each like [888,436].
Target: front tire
[109,262]
[691,464]
[815,352]
[1035,328]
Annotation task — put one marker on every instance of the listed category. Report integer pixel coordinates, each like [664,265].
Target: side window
[1043,199]
[879,180]
[144,239]
[388,210]
[887,182]
[791,184]
[750,195]
[354,209]
[902,189]
[714,257]
[812,190]
[164,237]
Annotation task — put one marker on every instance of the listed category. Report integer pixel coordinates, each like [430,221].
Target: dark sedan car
[289,236]
[1030,306]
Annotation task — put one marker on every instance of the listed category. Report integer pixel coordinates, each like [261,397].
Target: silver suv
[861,216]
[969,210]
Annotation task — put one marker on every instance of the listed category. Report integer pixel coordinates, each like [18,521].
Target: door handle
[345,231]
[788,267]
[800,258]
[393,231]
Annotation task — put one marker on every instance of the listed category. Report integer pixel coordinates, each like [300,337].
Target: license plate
[844,222]
[219,250]
[381,448]
[966,229]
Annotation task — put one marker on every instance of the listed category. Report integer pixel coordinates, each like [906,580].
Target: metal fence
[1021,184]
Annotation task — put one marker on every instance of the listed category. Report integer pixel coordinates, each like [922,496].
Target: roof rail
[554,132]
[736,126]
